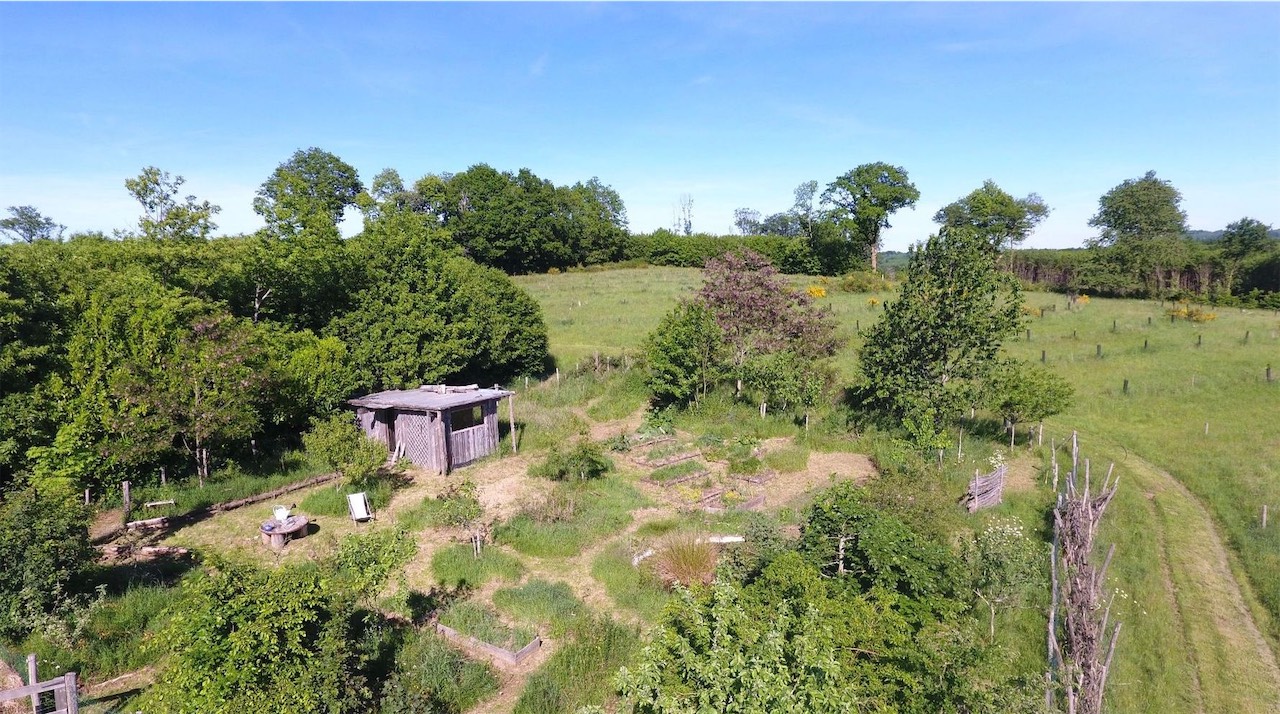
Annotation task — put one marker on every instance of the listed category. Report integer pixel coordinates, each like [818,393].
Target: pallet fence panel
[986,490]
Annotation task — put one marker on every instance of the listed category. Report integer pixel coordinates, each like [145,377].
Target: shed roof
[433,398]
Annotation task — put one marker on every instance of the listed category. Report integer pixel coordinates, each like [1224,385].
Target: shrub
[112,640]
[44,538]
[430,676]
[337,442]
[244,639]
[865,281]
[586,460]
[365,562]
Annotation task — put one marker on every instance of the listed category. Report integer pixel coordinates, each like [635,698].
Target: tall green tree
[1142,220]
[925,360]
[864,198]
[1004,220]
[312,185]
[167,216]
[1241,241]
[28,225]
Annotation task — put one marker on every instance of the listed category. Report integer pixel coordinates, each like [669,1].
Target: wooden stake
[763,408]
[86,497]
[1041,356]
[1144,345]
[164,476]
[1028,334]
[1013,431]
[511,414]
[960,446]
[1206,428]
[1264,516]
[1099,351]
[1126,386]
[32,679]
[124,487]
[1199,340]
[1268,374]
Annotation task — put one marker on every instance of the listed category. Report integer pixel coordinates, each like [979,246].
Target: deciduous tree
[164,216]
[312,184]
[925,360]
[28,225]
[994,214]
[865,197]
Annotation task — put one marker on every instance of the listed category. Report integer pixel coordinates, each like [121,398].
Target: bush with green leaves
[684,355]
[244,639]
[1004,564]
[365,561]
[338,442]
[44,537]
[1023,392]
[925,360]
[583,462]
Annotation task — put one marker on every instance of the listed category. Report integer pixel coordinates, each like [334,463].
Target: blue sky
[733,104]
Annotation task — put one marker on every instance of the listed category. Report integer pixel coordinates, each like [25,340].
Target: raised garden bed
[479,628]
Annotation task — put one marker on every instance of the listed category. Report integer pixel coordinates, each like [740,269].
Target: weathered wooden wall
[421,435]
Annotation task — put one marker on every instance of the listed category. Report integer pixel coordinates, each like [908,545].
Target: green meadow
[1195,441]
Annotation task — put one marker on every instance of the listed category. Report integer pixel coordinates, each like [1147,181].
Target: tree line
[164,347]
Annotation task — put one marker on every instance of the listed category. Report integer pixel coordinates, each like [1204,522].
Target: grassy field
[1195,438]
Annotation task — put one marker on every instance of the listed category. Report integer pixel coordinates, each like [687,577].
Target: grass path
[1223,661]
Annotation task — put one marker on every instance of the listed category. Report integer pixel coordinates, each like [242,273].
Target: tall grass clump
[457,566]
[431,676]
[112,641]
[580,673]
[683,558]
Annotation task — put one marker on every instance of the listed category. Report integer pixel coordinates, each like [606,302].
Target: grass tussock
[683,558]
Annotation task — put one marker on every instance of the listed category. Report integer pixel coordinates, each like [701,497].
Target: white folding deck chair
[358,506]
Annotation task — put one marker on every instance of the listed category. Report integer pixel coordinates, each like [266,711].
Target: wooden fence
[467,445]
[66,695]
[986,490]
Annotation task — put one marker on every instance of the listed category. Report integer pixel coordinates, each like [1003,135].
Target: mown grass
[478,621]
[539,602]
[457,567]
[581,671]
[586,512]
[633,588]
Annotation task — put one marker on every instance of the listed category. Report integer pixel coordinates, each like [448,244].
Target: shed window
[466,417]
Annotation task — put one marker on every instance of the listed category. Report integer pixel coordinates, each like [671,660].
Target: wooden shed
[436,427]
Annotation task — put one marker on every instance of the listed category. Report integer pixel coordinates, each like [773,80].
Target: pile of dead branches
[1082,638]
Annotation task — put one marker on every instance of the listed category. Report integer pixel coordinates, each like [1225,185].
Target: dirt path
[1235,668]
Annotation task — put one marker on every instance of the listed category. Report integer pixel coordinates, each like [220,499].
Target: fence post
[73,692]
[1126,386]
[1268,374]
[124,487]
[32,678]
[1041,356]
[1099,351]
[1144,345]
[1199,340]
[1264,516]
